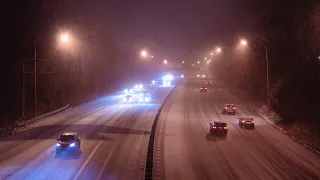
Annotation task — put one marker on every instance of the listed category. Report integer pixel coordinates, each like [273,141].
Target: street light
[165,61]
[192,64]
[198,62]
[243,42]
[205,58]
[218,50]
[151,56]
[182,62]
[208,62]
[211,54]
[144,53]
[65,38]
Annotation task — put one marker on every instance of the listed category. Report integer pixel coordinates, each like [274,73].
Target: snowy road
[114,142]
[184,150]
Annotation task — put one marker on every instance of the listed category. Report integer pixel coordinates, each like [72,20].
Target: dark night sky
[169,29]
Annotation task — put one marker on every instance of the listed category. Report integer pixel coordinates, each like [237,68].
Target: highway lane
[114,142]
[185,150]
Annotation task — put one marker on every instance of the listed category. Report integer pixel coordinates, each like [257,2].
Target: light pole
[268,81]
[35,79]
[65,42]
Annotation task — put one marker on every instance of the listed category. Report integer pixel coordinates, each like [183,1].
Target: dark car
[229,109]
[246,122]
[68,141]
[128,98]
[203,89]
[217,128]
[144,97]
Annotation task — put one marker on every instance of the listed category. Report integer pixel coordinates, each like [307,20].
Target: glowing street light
[205,58]
[182,62]
[198,62]
[218,50]
[151,56]
[208,62]
[192,64]
[211,54]
[144,53]
[65,38]
[243,42]
[165,61]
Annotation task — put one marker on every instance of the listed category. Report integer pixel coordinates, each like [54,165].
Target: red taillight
[214,127]
[234,108]
[225,108]
[225,127]
[206,88]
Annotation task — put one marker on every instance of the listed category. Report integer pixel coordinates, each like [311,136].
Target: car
[128,98]
[229,109]
[68,141]
[246,122]
[144,97]
[203,89]
[208,83]
[218,128]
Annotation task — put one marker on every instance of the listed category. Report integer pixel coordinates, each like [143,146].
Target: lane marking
[105,162]
[87,161]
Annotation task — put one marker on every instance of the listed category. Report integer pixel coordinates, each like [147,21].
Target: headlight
[72,145]
[153,81]
[57,144]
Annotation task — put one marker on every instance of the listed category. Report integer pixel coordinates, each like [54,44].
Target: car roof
[217,122]
[70,134]
[246,118]
[229,104]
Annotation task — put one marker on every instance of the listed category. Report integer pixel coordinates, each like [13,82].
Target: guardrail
[21,125]
[29,122]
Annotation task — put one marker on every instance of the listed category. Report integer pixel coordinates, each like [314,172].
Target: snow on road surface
[114,138]
[186,151]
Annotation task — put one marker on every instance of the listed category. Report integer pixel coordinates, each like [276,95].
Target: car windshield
[247,119]
[67,138]
[230,105]
[220,124]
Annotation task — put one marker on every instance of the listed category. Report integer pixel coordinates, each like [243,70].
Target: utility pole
[23,92]
[35,78]
[268,81]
